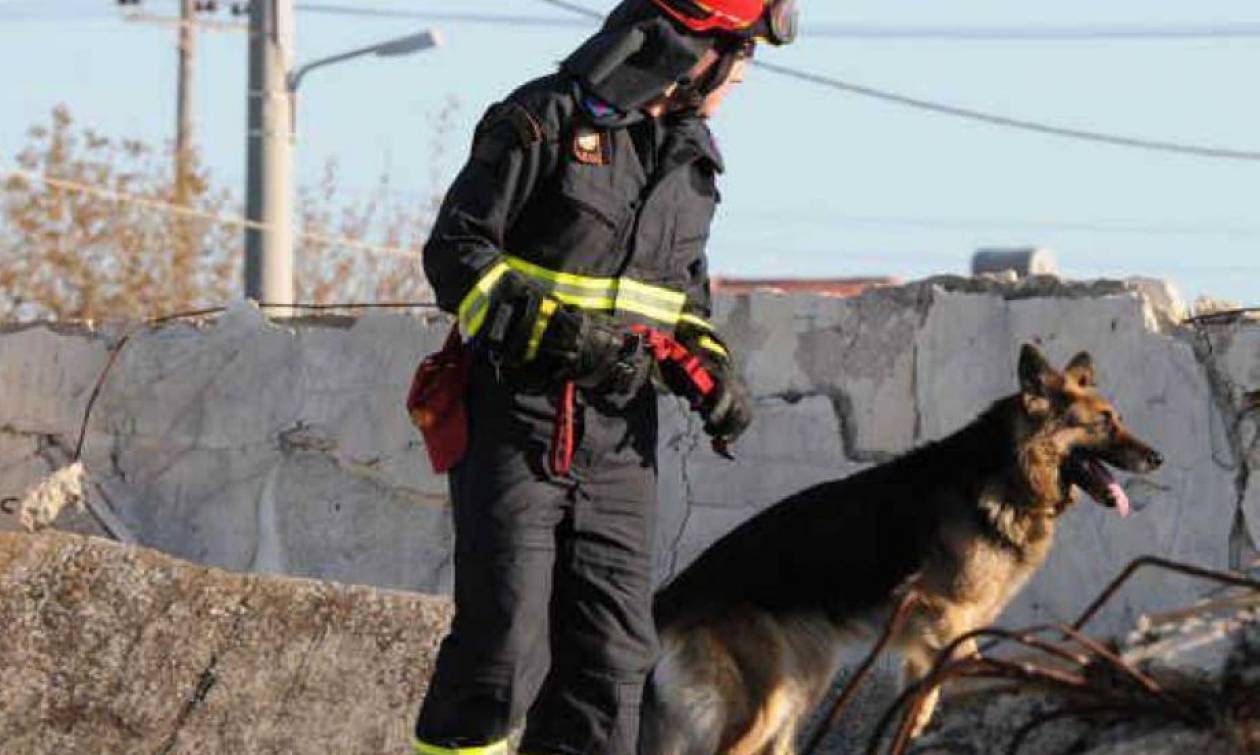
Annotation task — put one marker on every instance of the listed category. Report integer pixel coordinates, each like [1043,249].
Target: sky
[819,182]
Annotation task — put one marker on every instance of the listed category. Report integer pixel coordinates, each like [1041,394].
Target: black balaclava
[635,57]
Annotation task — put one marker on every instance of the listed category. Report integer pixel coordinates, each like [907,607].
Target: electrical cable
[1068,33]
[971,114]
[957,111]
[1023,34]
[918,223]
[849,31]
[1122,227]
[462,17]
[174,209]
[1008,122]
[574,8]
[152,322]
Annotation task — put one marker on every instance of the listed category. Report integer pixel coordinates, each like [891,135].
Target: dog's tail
[682,714]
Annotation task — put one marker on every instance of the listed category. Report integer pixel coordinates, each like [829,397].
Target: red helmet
[773,21]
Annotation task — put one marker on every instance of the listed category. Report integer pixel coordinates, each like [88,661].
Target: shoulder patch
[505,118]
[528,129]
[591,146]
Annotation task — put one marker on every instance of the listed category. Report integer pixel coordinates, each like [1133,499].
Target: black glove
[727,410]
[525,326]
[595,351]
[511,319]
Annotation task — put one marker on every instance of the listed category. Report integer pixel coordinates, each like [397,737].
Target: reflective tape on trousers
[424,748]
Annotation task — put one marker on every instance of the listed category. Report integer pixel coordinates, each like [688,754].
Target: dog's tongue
[1118,495]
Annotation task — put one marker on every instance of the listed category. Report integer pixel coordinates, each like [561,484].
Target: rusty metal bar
[859,677]
[1224,577]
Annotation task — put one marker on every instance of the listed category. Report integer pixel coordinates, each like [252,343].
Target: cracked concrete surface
[1232,359]
[126,650]
[282,446]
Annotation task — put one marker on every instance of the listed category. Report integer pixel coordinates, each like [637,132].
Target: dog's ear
[1081,370]
[1037,380]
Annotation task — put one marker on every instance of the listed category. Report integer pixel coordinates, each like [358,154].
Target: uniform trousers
[553,577]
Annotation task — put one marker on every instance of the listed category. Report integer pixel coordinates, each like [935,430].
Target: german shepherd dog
[751,633]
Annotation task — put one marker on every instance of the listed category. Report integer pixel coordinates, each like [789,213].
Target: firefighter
[571,242]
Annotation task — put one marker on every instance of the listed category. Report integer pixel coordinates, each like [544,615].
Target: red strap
[666,349]
[701,378]
[562,435]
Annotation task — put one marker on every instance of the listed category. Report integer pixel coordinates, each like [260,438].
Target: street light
[272,117]
[393,48]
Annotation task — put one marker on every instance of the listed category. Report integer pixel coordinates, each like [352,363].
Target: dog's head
[1078,430]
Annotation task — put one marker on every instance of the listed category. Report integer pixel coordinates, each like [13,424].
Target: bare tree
[70,254]
[326,272]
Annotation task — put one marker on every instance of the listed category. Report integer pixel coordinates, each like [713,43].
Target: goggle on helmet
[772,21]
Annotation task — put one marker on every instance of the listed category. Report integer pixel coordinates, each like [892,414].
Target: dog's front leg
[919,662]
[917,665]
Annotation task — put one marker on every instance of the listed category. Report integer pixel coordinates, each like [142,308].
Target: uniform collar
[694,131]
[602,113]
[688,131]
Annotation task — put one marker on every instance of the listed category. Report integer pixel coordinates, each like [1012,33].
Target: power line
[847,31]
[32,6]
[1030,34]
[581,10]
[199,25]
[1112,227]
[473,18]
[998,33]
[976,115]
[33,10]
[47,16]
[1008,122]
[183,211]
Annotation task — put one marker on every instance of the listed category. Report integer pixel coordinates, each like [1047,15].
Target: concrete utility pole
[183,107]
[269,163]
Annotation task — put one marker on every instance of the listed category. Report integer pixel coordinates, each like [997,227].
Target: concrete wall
[282,446]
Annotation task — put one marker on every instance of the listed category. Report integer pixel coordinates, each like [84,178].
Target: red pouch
[436,403]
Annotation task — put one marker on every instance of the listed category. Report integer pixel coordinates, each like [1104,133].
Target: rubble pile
[1206,657]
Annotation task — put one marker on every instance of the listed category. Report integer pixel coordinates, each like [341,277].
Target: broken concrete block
[113,649]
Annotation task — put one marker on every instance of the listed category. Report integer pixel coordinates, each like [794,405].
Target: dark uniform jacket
[609,219]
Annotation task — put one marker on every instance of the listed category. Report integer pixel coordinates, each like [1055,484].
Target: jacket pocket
[577,224]
[592,190]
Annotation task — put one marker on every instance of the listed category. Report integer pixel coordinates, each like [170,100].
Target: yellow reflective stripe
[696,321]
[652,301]
[643,290]
[546,309]
[565,279]
[424,748]
[586,292]
[599,303]
[606,294]
[647,310]
[712,345]
[476,303]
